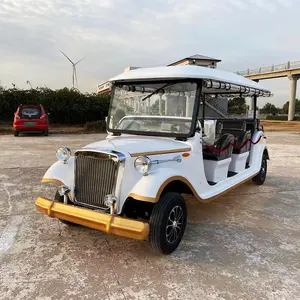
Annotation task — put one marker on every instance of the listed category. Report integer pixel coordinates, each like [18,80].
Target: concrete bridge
[290,70]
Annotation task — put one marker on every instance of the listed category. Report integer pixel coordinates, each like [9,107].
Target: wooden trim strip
[142,198]
[184,180]
[52,180]
[160,152]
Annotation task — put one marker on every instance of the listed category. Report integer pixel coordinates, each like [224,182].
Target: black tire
[260,178]
[16,133]
[167,223]
[46,133]
[60,199]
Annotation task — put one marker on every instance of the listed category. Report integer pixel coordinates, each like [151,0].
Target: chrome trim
[121,157]
[160,161]
[118,158]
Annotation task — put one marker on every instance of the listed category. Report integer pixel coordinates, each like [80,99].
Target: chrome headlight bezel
[142,164]
[63,154]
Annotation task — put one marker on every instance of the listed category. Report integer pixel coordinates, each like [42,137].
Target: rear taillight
[43,117]
[17,117]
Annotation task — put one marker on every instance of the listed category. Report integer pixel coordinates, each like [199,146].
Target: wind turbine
[74,74]
[29,83]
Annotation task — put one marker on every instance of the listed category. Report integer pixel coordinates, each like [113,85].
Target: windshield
[30,113]
[159,108]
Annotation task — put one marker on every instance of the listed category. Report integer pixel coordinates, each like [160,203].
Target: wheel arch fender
[150,188]
[61,173]
[266,153]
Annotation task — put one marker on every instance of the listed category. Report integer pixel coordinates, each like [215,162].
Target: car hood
[136,146]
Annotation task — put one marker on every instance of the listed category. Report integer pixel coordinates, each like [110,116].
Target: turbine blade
[67,58]
[79,61]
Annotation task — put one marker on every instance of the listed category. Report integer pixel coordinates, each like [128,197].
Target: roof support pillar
[159,105]
[293,92]
[252,106]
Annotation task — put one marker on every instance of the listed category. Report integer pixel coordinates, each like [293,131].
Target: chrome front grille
[95,177]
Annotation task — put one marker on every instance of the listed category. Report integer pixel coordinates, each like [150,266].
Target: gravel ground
[245,245]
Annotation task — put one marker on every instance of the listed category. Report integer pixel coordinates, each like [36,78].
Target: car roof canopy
[214,81]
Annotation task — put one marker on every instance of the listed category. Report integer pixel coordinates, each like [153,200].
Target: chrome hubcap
[174,224]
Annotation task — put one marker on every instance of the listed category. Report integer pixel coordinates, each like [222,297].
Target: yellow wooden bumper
[97,220]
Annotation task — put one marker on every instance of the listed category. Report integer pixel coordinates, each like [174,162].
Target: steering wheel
[134,125]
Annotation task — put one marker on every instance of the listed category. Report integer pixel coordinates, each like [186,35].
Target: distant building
[198,60]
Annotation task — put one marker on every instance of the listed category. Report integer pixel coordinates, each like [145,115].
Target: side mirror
[48,114]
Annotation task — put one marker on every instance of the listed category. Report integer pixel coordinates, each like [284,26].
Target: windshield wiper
[159,89]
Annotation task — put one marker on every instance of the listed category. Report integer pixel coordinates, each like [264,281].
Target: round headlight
[142,164]
[63,153]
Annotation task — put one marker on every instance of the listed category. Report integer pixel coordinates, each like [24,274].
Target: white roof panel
[180,72]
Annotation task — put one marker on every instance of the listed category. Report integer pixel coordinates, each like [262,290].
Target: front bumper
[97,220]
[34,128]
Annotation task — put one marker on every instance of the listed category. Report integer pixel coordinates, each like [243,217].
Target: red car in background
[30,118]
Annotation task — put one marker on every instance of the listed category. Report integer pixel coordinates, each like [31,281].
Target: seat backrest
[224,141]
[209,132]
[235,124]
[252,125]
[219,127]
[240,138]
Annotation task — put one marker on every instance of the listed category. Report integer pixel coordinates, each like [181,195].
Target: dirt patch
[281,125]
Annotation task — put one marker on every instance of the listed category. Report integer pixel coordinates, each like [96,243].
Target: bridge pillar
[293,92]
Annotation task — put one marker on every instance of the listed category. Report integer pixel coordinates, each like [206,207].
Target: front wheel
[167,223]
[260,178]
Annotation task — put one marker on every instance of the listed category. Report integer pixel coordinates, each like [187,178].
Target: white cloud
[113,34]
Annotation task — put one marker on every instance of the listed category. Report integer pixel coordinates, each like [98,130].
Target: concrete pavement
[245,245]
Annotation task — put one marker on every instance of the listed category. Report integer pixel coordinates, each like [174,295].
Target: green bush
[65,106]
[97,126]
[281,118]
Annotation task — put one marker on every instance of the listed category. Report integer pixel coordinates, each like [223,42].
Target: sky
[113,34]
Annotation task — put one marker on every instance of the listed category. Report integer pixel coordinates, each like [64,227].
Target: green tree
[285,107]
[66,106]
[269,109]
[237,105]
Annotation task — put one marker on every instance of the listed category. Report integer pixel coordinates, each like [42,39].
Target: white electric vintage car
[160,145]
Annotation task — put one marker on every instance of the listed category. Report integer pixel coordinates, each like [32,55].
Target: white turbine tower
[74,74]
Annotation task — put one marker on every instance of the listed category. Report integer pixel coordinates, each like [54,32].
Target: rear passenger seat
[238,128]
[224,141]
[234,124]
[240,138]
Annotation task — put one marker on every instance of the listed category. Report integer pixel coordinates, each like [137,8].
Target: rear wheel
[16,133]
[60,199]
[46,133]
[260,178]
[167,223]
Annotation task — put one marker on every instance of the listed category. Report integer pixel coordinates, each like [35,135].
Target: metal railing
[274,68]
[212,103]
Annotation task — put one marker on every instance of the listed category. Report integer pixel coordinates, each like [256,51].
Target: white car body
[145,188]
[172,161]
